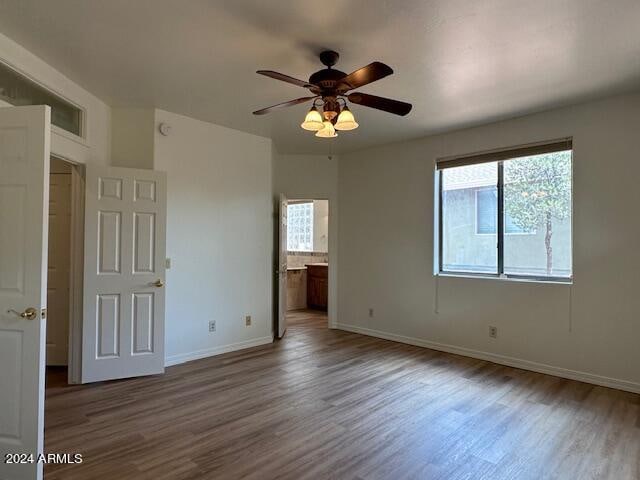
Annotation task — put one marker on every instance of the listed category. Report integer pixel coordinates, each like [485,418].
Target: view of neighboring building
[470,225]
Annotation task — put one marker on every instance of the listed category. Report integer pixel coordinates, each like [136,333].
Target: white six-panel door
[24,192]
[124,273]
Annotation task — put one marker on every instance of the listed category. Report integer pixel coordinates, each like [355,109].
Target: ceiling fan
[330,89]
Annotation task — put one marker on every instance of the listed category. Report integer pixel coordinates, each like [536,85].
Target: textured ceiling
[460,62]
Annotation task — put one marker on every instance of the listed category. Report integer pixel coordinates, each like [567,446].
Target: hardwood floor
[326,404]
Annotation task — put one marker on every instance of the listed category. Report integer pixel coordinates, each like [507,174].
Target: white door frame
[332,246]
[76,269]
[281,270]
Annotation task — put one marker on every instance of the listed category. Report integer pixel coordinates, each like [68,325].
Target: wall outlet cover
[212,326]
[247,320]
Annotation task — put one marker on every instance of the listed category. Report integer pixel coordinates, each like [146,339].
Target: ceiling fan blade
[365,75]
[284,78]
[381,103]
[283,104]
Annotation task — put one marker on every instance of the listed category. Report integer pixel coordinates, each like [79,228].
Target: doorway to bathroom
[307,260]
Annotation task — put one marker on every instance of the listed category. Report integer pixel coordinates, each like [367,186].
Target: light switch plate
[167,263]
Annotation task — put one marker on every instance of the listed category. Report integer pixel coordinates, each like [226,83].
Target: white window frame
[499,156]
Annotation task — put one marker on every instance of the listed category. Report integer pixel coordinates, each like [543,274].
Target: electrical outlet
[212,326]
[371,312]
[247,320]
[493,332]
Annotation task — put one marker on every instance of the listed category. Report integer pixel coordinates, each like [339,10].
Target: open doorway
[59,264]
[64,272]
[307,262]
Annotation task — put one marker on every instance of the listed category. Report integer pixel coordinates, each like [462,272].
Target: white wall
[219,209]
[320,225]
[589,330]
[95,148]
[132,137]
[315,177]
[219,237]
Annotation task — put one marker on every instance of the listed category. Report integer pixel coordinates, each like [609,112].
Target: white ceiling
[460,62]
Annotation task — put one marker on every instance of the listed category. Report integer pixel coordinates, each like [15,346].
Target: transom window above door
[18,90]
[507,214]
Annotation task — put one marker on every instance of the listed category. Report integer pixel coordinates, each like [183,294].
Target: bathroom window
[507,214]
[300,227]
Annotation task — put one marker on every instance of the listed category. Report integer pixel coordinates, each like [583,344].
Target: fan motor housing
[333,85]
[327,78]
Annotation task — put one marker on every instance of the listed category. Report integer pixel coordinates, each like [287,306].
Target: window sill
[544,281]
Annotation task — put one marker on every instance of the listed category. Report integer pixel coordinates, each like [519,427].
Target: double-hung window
[507,213]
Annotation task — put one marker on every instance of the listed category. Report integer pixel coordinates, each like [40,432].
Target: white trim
[69,135]
[507,277]
[500,359]
[210,352]
[74,373]
[76,270]
[82,138]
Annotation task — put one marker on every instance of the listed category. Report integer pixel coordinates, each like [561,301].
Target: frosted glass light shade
[346,120]
[327,131]
[313,120]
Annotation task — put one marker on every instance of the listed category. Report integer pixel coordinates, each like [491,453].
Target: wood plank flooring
[326,404]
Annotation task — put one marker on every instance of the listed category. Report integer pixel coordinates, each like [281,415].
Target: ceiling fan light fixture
[327,131]
[346,120]
[313,120]
[330,89]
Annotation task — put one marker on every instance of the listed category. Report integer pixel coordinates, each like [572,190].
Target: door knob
[30,313]
[158,283]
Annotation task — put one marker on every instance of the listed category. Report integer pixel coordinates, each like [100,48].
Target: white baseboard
[501,359]
[210,352]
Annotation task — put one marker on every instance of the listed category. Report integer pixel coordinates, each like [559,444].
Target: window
[300,227]
[16,89]
[507,213]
